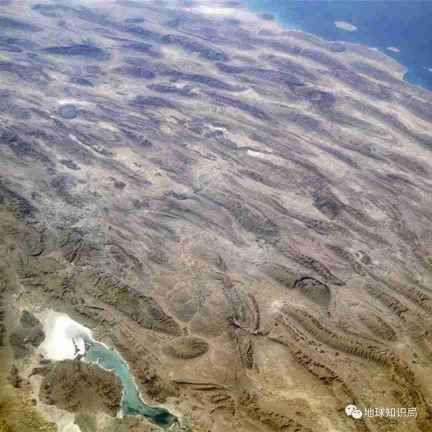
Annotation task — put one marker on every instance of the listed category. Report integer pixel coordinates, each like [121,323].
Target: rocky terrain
[75,386]
[244,212]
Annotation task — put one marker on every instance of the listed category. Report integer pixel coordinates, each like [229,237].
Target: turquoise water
[132,404]
[405,24]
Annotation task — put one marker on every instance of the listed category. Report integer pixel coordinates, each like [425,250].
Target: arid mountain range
[243,212]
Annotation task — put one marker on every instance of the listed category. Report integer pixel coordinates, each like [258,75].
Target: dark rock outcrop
[76,386]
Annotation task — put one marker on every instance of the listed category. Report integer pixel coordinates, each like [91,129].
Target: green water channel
[131,404]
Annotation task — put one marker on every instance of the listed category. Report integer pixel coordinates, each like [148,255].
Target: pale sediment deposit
[64,337]
[394,49]
[343,25]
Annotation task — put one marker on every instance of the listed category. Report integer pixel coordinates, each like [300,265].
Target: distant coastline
[398,34]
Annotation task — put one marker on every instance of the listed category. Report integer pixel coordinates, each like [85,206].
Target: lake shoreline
[66,339]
